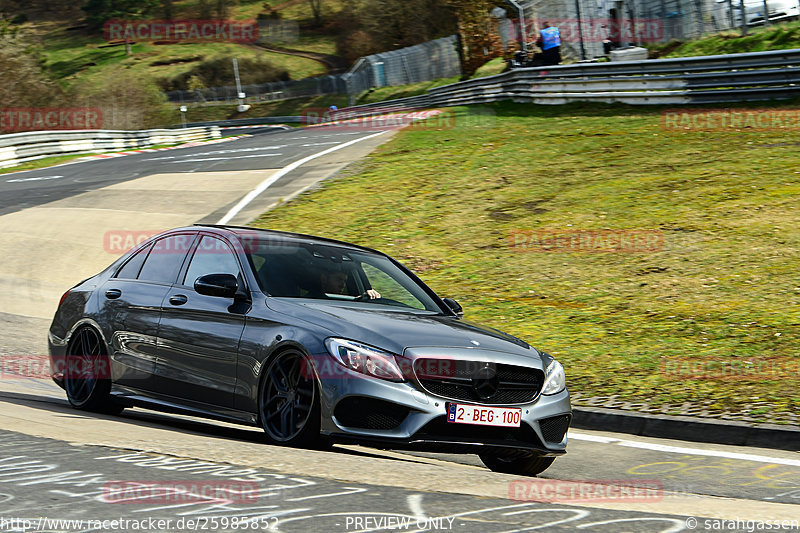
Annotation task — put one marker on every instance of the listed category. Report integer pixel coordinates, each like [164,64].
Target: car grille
[554,428]
[467,381]
[369,413]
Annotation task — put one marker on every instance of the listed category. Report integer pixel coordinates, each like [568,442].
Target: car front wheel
[521,463]
[289,406]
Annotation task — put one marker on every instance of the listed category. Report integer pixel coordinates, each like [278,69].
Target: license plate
[480,415]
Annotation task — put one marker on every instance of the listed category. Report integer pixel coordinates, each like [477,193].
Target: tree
[379,25]
[477,31]
[31,87]
[167,7]
[127,100]
[316,10]
[222,8]
[100,11]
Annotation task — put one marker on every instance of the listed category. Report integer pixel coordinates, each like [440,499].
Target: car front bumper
[359,408]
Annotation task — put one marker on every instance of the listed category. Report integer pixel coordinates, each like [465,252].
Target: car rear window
[166,258]
[134,264]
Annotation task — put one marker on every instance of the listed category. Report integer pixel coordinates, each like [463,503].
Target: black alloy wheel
[289,405]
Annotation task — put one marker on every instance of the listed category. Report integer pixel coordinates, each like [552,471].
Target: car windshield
[291,269]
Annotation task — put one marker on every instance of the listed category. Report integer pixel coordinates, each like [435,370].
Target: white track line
[264,185]
[680,449]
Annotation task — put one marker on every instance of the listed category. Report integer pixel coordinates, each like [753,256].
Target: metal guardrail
[691,80]
[18,148]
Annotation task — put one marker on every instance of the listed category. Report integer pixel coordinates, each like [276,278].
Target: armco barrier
[678,81]
[16,148]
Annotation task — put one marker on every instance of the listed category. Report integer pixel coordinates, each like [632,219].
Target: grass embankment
[774,37]
[722,289]
[71,55]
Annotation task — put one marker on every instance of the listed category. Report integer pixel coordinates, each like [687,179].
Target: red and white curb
[146,150]
[276,126]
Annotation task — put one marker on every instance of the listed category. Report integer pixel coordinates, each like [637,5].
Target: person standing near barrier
[550,43]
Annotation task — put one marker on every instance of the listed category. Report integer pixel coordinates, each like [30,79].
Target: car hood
[395,331]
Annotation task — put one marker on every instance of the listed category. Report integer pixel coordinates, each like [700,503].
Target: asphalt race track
[61,470]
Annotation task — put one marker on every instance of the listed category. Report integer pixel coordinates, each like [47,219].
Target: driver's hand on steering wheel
[372,294]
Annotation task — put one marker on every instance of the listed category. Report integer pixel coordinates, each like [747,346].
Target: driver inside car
[334,281]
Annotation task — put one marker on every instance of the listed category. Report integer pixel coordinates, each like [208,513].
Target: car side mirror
[454,306]
[222,285]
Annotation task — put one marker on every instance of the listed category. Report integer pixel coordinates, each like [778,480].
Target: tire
[87,374]
[523,463]
[288,405]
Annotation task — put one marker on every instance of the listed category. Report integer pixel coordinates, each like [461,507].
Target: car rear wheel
[87,374]
[522,463]
[289,407]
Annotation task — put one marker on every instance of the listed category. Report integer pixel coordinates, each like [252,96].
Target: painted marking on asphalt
[677,525]
[578,514]
[264,185]
[218,152]
[37,178]
[415,505]
[350,490]
[684,450]
[193,160]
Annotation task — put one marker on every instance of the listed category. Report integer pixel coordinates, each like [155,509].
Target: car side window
[212,256]
[388,287]
[166,258]
[134,264]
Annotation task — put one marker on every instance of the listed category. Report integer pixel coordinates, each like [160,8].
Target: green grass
[401,91]
[497,65]
[68,57]
[41,163]
[775,37]
[445,200]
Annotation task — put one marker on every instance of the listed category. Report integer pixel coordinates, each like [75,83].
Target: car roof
[296,237]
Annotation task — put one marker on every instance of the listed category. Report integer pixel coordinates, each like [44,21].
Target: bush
[31,87]
[127,101]
[218,72]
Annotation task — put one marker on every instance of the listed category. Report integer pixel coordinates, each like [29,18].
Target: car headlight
[364,359]
[554,379]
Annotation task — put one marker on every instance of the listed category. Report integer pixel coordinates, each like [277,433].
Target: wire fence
[588,28]
[414,64]
[423,62]
[585,25]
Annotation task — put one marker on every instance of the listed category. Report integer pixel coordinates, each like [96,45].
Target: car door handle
[113,294]
[178,299]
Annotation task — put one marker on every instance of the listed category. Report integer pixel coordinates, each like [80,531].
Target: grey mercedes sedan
[316,341]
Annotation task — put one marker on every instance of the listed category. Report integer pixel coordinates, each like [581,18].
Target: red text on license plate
[483,416]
